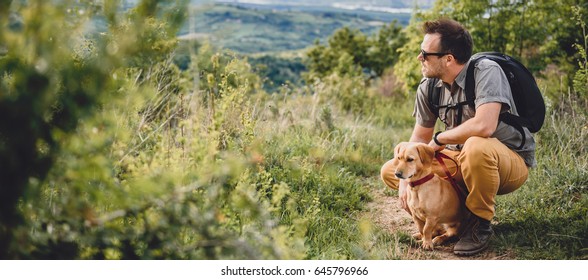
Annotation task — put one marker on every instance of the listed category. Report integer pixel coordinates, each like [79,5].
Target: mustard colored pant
[486,168]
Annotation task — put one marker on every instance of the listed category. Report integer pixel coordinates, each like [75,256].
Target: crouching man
[489,160]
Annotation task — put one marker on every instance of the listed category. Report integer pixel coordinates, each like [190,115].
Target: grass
[284,175]
[214,173]
[300,187]
[332,163]
[548,217]
[325,156]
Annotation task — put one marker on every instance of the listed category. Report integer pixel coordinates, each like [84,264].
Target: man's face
[432,66]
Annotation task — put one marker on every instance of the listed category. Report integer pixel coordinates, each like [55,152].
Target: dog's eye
[409,159]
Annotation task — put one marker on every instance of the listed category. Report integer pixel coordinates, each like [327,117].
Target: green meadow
[132,144]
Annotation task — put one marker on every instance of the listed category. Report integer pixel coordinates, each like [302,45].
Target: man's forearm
[421,134]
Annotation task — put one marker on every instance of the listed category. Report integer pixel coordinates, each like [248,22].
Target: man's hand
[436,147]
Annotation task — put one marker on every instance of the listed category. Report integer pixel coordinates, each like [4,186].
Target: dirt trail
[387,214]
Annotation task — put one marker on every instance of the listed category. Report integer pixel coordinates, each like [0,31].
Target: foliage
[46,89]
[581,77]
[213,67]
[370,54]
[278,71]
[351,63]
[384,49]
[171,164]
[517,28]
[124,161]
[546,218]
[113,146]
[272,29]
[408,67]
[534,222]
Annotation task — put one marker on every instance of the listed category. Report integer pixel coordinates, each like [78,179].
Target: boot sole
[472,252]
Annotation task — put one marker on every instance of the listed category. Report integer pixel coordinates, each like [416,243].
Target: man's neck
[452,73]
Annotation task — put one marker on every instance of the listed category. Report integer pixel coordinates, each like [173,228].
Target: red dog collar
[421,180]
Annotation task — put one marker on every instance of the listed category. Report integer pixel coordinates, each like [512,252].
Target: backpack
[526,94]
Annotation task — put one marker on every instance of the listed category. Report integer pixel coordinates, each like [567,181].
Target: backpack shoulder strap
[434,94]
[470,85]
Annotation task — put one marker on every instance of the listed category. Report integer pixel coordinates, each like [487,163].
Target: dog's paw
[438,240]
[417,236]
[427,245]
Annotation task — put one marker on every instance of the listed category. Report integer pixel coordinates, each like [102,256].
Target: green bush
[111,151]
[123,162]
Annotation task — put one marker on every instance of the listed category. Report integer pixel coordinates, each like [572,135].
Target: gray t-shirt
[491,86]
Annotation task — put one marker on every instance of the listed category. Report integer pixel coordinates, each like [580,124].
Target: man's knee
[476,145]
[387,174]
[478,151]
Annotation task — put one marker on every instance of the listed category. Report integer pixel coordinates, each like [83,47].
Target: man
[485,149]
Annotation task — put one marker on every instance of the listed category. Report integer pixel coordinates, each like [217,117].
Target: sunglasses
[425,54]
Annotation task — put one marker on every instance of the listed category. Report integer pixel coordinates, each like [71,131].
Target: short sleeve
[492,84]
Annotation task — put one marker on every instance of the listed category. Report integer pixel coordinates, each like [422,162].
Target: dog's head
[412,159]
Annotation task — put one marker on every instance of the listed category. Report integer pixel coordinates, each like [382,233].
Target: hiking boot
[475,237]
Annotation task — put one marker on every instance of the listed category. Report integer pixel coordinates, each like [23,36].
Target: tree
[371,54]
[52,81]
[536,32]
[323,60]
[383,49]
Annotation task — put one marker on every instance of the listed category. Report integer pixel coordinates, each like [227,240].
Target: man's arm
[421,134]
[483,124]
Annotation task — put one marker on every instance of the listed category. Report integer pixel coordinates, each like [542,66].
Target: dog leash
[461,193]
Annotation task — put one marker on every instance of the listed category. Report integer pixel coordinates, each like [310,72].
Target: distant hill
[326,3]
[253,28]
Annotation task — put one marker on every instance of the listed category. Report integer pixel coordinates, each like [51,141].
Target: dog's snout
[398,175]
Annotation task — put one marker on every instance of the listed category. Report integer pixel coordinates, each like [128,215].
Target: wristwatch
[435,139]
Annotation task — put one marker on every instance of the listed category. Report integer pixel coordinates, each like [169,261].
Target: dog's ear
[426,153]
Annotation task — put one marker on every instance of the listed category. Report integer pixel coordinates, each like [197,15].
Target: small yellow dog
[434,204]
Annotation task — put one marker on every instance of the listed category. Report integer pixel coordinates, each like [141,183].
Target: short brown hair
[455,39]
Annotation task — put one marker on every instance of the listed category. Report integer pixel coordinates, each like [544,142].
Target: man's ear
[450,58]
[426,153]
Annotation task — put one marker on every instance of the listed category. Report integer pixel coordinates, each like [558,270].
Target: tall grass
[548,217]
[201,164]
[285,176]
[327,158]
